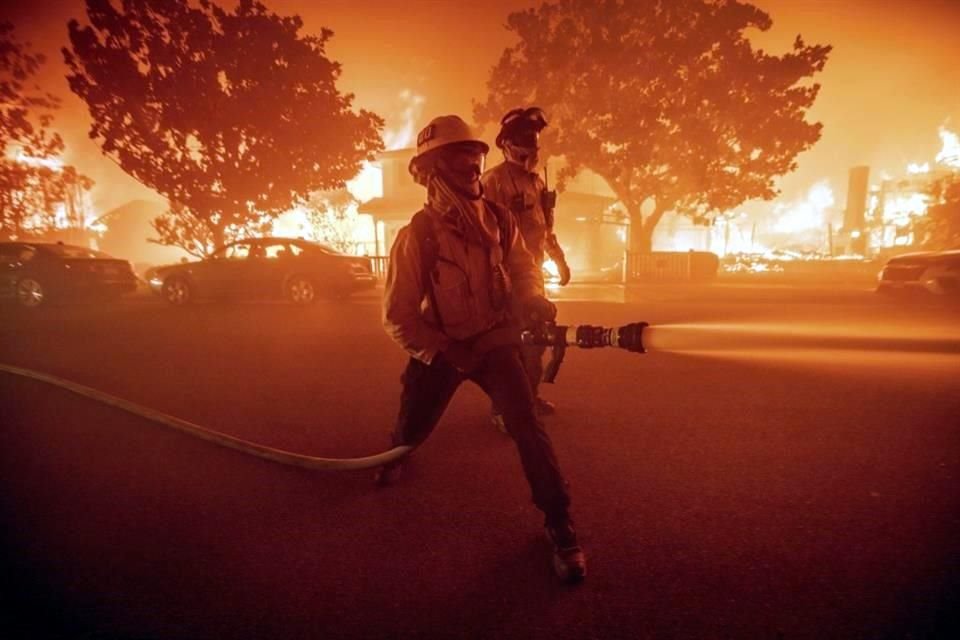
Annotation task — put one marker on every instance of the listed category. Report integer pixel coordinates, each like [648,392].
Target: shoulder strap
[426,240]
[423,231]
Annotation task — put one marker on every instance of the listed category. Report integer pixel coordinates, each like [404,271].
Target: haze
[890,83]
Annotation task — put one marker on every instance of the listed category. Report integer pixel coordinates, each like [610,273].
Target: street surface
[784,464]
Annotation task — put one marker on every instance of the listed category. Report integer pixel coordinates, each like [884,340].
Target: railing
[672,265]
[655,266]
[378,265]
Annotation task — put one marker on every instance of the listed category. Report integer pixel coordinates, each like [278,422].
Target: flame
[56,164]
[550,268]
[297,223]
[551,275]
[60,218]
[293,224]
[367,184]
[403,137]
[899,209]
[809,213]
[909,200]
[950,150]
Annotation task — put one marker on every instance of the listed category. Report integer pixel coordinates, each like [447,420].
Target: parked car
[936,272]
[34,273]
[262,268]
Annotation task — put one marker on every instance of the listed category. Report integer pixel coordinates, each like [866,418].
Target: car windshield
[73,252]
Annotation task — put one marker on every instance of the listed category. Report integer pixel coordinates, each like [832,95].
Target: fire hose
[216,437]
[628,337]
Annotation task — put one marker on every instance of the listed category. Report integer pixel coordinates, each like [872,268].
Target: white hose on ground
[222,439]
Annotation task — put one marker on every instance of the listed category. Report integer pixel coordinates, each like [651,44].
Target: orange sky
[891,81]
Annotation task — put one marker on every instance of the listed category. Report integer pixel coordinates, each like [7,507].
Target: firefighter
[515,185]
[458,274]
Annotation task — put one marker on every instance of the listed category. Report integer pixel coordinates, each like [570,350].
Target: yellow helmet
[440,132]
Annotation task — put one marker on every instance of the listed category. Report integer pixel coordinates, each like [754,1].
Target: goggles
[533,117]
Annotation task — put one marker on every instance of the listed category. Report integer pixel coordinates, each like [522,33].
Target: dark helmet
[522,127]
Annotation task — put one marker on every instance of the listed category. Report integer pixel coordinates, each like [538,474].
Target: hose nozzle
[587,336]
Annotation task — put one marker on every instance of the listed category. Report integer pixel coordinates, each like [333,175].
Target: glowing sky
[891,81]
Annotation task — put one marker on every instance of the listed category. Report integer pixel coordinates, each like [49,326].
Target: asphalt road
[784,464]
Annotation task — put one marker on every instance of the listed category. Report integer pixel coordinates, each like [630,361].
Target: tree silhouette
[667,100]
[25,111]
[26,114]
[232,116]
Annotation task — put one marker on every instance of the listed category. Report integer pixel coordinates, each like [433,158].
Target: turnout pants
[428,389]
[532,356]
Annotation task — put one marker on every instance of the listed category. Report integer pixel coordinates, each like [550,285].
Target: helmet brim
[422,158]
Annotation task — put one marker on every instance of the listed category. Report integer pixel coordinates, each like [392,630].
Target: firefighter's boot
[569,560]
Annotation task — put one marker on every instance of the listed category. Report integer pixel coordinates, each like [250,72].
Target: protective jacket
[521,192]
[463,282]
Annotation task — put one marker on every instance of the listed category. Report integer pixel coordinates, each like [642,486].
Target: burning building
[589,225]
[44,198]
[897,207]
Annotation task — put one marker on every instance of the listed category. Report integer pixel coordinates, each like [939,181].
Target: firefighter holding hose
[458,273]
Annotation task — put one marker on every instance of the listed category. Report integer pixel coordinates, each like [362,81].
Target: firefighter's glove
[564,270]
[461,357]
[537,310]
